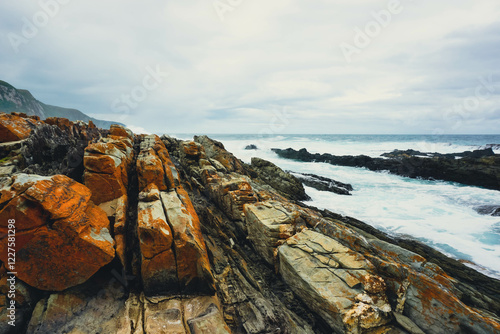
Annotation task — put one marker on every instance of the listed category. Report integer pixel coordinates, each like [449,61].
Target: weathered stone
[107,163]
[193,267]
[230,194]
[268,223]
[85,310]
[158,263]
[62,237]
[13,128]
[203,316]
[120,131]
[285,183]
[164,317]
[215,150]
[343,295]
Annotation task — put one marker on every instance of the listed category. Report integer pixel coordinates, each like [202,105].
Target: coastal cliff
[126,233]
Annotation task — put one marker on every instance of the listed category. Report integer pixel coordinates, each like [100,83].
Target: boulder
[490,210]
[324,183]
[335,282]
[215,150]
[230,193]
[62,238]
[158,263]
[193,266]
[14,128]
[251,147]
[269,224]
[285,183]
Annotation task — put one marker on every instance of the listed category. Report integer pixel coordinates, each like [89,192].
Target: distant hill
[21,100]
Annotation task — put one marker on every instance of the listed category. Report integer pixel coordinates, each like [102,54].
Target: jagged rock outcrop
[285,183]
[324,183]
[491,210]
[16,127]
[107,165]
[205,244]
[62,238]
[174,257]
[471,170]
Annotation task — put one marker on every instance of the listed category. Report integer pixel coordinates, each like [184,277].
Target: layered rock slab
[335,282]
[109,308]
[107,164]
[168,228]
[269,224]
[62,238]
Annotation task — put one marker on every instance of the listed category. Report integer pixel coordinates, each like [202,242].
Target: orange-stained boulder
[154,165]
[106,168]
[62,238]
[158,269]
[120,131]
[13,127]
[193,266]
[150,170]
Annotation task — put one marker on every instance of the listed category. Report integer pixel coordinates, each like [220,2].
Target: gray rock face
[324,183]
[111,310]
[334,281]
[286,184]
[269,224]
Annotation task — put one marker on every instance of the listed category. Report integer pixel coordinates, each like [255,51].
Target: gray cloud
[235,75]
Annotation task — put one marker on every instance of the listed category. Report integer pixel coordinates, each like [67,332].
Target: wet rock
[251,147]
[62,239]
[324,183]
[490,210]
[483,171]
[285,183]
[486,152]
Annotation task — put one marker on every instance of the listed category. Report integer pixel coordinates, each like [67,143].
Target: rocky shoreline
[158,235]
[479,168]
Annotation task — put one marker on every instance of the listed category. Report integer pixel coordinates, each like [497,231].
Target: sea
[438,213]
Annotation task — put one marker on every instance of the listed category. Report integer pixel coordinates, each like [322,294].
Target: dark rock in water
[404,153]
[493,146]
[481,172]
[487,152]
[285,183]
[324,184]
[251,147]
[490,210]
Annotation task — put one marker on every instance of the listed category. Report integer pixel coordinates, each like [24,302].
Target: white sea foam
[441,214]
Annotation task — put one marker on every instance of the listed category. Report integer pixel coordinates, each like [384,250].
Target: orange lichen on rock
[176,224]
[14,127]
[69,241]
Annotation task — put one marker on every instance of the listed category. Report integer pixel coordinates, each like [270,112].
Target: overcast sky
[248,66]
